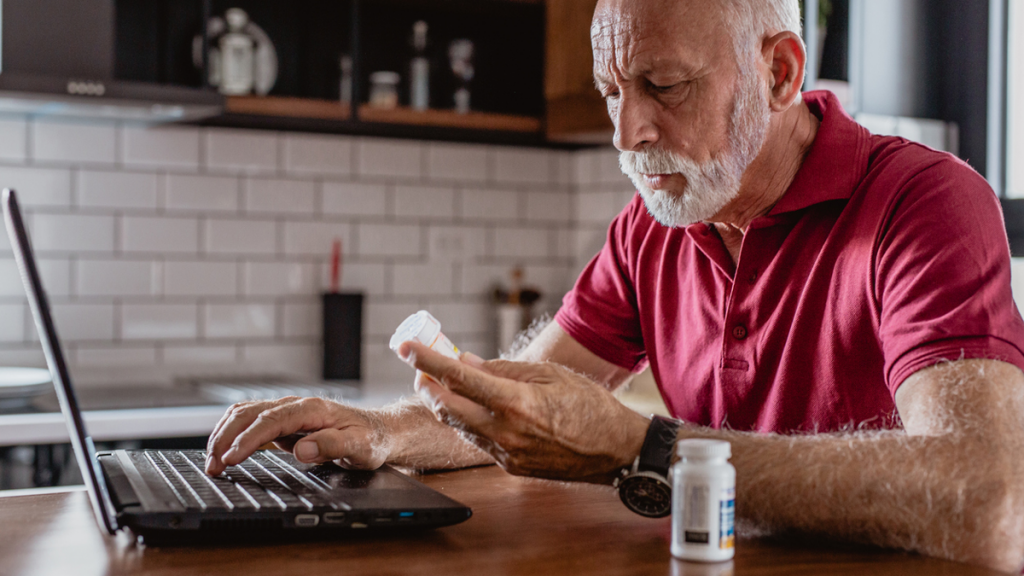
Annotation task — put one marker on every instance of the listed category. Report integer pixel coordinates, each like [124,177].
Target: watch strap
[659,444]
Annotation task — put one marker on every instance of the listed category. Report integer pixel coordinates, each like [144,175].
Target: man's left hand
[539,420]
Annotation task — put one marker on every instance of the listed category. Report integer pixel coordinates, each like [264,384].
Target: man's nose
[635,128]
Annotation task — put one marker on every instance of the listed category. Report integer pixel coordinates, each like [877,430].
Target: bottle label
[726,519]
[696,523]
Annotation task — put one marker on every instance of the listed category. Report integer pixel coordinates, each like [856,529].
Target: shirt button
[739,332]
[753,276]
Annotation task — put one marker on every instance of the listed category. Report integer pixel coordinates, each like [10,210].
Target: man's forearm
[416,439]
[884,488]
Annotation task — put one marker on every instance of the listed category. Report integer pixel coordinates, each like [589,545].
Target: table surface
[519,526]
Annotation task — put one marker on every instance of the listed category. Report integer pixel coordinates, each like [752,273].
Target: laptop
[164,496]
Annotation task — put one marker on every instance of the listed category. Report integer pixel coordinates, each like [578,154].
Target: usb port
[307,520]
[382,519]
[334,517]
[405,516]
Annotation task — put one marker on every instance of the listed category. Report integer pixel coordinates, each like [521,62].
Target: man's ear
[787,58]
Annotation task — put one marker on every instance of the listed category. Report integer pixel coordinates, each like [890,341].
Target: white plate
[24,382]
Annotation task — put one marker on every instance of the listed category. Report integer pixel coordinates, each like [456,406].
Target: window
[1015,101]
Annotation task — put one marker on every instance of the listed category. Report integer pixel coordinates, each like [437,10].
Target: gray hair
[754,20]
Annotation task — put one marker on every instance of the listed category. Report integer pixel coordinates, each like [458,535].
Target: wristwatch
[644,488]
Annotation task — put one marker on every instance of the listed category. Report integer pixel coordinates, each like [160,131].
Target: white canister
[703,502]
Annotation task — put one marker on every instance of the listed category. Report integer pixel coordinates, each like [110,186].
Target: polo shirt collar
[837,161]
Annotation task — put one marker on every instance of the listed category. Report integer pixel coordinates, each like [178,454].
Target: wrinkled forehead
[631,36]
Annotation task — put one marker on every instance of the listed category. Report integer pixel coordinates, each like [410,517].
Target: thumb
[350,447]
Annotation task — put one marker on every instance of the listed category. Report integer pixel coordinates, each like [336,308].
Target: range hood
[57,58]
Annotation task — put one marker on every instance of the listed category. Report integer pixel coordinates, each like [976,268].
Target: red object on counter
[336,266]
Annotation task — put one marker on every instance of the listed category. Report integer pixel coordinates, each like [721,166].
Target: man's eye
[663,89]
[611,94]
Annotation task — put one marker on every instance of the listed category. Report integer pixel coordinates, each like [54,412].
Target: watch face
[647,496]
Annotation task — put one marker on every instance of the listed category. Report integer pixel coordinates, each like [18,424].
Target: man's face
[689,115]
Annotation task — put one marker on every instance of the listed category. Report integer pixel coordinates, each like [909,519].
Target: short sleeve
[600,312]
[943,275]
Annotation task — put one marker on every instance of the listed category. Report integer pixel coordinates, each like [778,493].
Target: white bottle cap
[698,449]
[421,327]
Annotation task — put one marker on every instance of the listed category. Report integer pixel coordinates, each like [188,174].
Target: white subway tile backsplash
[302,320]
[200,278]
[116,278]
[209,249]
[424,202]
[599,207]
[115,356]
[12,323]
[202,193]
[316,238]
[390,158]
[189,356]
[302,360]
[390,240]
[159,321]
[494,205]
[160,235]
[523,166]
[55,275]
[354,199]
[548,207]
[280,279]
[167,147]
[522,243]
[239,320]
[461,162]
[279,196]
[74,142]
[313,154]
[425,279]
[72,232]
[76,322]
[38,186]
[116,189]
[240,236]
[456,243]
[241,150]
[13,138]
[361,277]
[381,318]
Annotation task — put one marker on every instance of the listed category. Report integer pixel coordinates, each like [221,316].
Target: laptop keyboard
[264,481]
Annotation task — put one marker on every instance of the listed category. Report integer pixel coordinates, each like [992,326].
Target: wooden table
[519,526]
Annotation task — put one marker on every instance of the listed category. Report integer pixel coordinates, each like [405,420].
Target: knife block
[343,336]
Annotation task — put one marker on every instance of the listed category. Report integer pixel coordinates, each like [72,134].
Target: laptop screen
[85,452]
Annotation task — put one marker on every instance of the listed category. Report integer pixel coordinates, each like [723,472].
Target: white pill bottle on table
[703,502]
[422,327]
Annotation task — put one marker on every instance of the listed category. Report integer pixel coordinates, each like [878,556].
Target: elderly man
[783,272]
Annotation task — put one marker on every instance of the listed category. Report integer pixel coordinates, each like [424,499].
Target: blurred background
[200,177]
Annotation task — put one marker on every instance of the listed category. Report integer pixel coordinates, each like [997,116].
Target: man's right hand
[351,437]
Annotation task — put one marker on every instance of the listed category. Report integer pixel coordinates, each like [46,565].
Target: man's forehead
[655,33]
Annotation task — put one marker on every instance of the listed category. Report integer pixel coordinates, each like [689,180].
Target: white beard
[712,185]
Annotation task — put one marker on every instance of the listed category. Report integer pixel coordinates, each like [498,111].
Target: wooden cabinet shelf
[451,119]
[312,109]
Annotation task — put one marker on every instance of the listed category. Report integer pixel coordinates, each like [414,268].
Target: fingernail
[472,359]
[307,451]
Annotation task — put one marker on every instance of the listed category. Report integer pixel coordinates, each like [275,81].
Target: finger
[288,442]
[456,411]
[351,447]
[476,385]
[271,424]
[238,418]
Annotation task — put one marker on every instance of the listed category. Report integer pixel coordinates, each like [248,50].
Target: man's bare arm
[406,434]
[948,487]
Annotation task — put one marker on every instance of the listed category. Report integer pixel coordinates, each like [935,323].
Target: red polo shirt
[884,257]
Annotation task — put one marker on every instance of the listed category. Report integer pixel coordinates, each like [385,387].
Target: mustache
[654,161]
